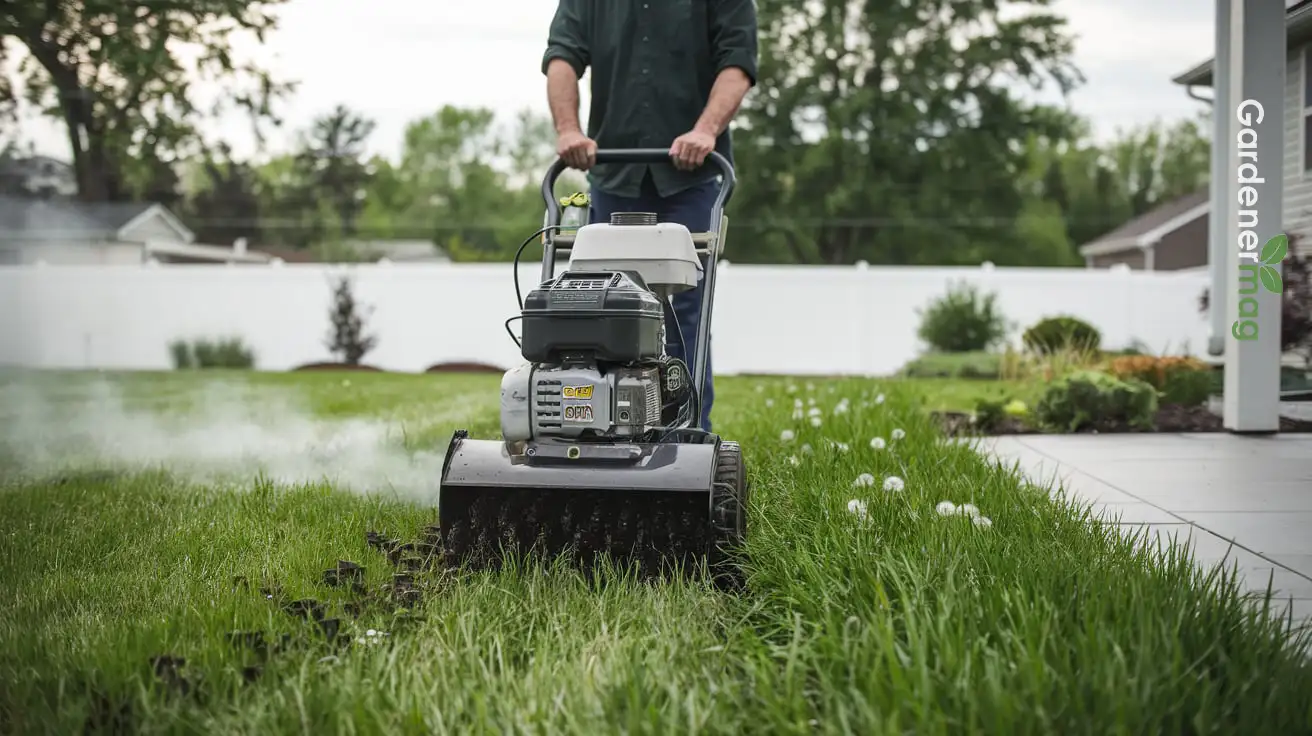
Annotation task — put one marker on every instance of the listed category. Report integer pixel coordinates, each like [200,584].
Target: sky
[398,60]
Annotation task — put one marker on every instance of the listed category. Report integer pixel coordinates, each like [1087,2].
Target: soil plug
[106,717]
[378,541]
[252,640]
[410,598]
[329,626]
[305,608]
[345,571]
[166,669]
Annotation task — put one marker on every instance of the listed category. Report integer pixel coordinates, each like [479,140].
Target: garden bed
[1168,418]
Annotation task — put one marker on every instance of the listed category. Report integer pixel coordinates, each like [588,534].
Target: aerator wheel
[729,495]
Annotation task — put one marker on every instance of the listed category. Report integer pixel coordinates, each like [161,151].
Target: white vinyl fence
[814,320]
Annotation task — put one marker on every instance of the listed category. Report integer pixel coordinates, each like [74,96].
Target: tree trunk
[95,181]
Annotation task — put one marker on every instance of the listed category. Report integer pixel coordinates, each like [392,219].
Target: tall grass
[876,617]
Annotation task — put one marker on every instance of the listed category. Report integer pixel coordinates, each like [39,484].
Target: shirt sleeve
[733,36]
[568,37]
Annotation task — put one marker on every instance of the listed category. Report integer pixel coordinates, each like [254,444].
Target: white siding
[1298,185]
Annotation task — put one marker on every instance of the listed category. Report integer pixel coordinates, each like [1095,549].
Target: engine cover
[593,317]
[578,403]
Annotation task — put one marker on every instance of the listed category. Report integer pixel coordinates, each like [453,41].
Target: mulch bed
[464,368]
[338,367]
[1170,418]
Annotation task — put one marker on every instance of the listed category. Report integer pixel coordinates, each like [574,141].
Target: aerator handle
[638,156]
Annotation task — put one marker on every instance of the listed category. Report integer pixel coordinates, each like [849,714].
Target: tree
[889,131]
[226,203]
[294,213]
[1158,162]
[331,163]
[348,338]
[111,71]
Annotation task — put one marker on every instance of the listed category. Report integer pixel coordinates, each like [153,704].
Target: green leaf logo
[1270,279]
[1275,249]
[1273,253]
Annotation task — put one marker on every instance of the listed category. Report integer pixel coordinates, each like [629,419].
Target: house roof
[288,255]
[1298,27]
[1150,227]
[60,219]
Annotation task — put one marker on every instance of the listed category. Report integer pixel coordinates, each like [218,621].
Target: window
[1307,110]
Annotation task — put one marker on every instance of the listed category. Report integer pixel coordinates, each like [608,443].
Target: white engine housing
[663,254]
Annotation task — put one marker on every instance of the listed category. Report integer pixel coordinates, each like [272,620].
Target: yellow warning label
[576,392]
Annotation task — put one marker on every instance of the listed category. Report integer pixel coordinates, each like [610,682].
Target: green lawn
[115,550]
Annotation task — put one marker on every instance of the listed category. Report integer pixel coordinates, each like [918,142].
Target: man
[664,73]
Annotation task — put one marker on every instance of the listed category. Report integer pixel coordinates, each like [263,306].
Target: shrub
[1093,399]
[963,321]
[1025,366]
[183,359]
[1178,380]
[228,352]
[348,338]
[991,413]
[955,365]
[1063,332]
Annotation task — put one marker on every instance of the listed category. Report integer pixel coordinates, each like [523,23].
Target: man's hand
[577,150]
[691,149]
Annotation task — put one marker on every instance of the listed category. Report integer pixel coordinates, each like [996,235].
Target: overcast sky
[401,59]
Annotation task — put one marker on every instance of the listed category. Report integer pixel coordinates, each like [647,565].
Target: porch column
[1253,80]
[1219,250]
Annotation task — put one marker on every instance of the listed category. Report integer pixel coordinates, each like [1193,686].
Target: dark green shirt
[653,64]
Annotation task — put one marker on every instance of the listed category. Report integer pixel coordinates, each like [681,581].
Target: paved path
[1210,489]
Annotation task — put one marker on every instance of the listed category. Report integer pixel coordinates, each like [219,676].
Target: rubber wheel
[730,493]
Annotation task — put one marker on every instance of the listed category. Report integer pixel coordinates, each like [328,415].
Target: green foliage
[900,149]
[116,75]
[963,320]
[1178,380]
[1052,334]
[348,339]
[1090,399]
[203,353]
[183,357]
[972,365]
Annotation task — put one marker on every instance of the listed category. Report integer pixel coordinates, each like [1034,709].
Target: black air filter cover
[608,315]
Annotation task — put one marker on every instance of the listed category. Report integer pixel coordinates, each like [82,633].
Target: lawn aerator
[600,453]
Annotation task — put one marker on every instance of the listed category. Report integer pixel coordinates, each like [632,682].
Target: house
[60,231]
[1170,237]
[36,176]
[1297,214]
[401,251]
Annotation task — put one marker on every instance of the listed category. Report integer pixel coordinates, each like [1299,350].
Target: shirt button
[644,71]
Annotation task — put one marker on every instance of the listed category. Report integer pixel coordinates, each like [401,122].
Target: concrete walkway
[1208,489]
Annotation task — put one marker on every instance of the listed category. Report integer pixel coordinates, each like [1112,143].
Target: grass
[901,621]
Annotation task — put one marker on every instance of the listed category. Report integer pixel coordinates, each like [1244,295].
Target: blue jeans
[692,209]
